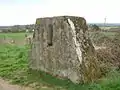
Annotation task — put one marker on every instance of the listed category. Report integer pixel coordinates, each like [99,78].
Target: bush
[94,27]
[110,56]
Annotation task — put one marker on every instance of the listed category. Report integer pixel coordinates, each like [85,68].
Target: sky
[20,12]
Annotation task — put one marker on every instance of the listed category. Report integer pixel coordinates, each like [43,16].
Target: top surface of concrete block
[65,16]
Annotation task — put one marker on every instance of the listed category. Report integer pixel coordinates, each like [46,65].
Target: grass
[14,67]
[108,27]
[18,38]
[13,35]
[108,34]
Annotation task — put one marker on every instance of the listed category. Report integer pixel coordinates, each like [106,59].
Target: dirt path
[4,85]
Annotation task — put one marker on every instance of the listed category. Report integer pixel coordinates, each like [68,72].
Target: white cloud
[26,11]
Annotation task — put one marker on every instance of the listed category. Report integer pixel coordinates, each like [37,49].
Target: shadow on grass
[44,79]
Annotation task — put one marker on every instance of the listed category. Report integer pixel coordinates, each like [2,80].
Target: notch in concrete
[50,35]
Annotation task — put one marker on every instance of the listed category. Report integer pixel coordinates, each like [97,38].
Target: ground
[4,85]
[15,74]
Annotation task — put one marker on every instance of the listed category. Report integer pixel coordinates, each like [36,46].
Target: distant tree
[94,27]
[26,26]
[15,28]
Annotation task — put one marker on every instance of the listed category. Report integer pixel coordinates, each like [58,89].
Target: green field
[107,27]
[18,38]
[14,35]
[14,67]
[108,34]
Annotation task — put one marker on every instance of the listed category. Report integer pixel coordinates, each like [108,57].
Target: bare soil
[4,85]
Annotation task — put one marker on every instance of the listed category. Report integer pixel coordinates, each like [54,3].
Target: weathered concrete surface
[61,47]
